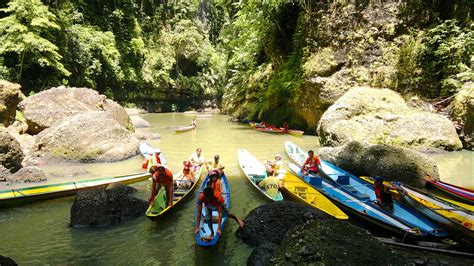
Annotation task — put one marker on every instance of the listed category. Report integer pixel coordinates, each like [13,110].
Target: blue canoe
[146,149]
[358,186]
[203,237]
[358,205]
[358,197]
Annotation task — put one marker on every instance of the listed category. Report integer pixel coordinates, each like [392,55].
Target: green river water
[39,233]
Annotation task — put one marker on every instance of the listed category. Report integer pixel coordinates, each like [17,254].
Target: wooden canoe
[255,172]
[156,211]
[12,197]
[302,192]
[146,149]
[204,237]
[294,132]
[460,193]
[184,129]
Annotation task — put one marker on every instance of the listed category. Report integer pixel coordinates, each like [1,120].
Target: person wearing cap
[213,201]
[311,165]
[197,159]
[154,158]
[215,181]
[274,167]
[382,191]
[161,177]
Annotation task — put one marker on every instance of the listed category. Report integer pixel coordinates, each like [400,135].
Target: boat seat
[343,180]
[350,189]
[316,181]
[363,197]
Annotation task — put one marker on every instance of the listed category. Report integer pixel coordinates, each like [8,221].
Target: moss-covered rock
[45,108]
[462,111]
[10,96]
[88,137]
[381,116]
[393,163]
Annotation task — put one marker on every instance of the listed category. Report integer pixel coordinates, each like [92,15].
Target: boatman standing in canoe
[161,177]
[311,165]
[212,201]
[197,159]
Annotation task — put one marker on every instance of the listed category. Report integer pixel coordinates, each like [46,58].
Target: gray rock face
[10,96]
[45,108]
[381,116]
[88,137]
[139,122]
[5,175]
[105,207]
[11,154]
[462,110]
[30,174]
[393,163]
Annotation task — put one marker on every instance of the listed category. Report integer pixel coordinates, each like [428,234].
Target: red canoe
[456,191]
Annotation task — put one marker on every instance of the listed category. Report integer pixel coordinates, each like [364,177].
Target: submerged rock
[333,242]
[7,261]
[394,163]
[10,96]
[139,122]
[11,154]
[105,207]
[45,108]
[261,255]
[88,137]
[29,174]
[462,111]
[270,222]
[381,116]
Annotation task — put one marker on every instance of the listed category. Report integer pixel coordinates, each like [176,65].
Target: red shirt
[165,179]
[216,186]
[312,162]
[217,201]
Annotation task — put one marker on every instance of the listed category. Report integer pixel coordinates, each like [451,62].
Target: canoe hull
[176,202]
[460,193]
[255,171]
[204,229]
[184,129]
[296,133]
[15,197]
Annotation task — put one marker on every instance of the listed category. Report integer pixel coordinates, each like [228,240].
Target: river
[39,233]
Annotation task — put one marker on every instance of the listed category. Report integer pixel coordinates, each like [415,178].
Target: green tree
[26,32]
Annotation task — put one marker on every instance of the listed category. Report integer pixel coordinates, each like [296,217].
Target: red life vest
[217,201]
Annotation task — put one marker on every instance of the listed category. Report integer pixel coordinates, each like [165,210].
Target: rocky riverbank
[290,233]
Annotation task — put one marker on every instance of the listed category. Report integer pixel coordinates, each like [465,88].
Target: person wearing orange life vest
[161,177]
[311,165]
[212,201]
[382,191]
[215,181]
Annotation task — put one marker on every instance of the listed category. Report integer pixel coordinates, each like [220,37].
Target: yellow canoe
[302,192]
[179,195]
[461,215]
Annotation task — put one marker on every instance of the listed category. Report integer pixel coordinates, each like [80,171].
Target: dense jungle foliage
[259,58]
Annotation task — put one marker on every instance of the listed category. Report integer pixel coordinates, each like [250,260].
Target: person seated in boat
[217,165]
[215,181]
[161,177]
[153,159]
[274,167]
[311,165]
[187,178]
[213,201]
[382,191]
[271,184]
[197,159]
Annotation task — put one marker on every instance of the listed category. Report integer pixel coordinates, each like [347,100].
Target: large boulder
[462,111]
[270,222]
[10,96]
[105,207]
[88,137]
[381,116]
[333,242]
[5,174]
[29,174]
[394,163]
[11,154]
[139,122]
[45,108]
